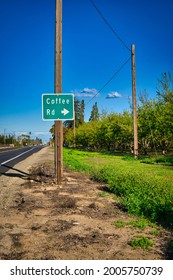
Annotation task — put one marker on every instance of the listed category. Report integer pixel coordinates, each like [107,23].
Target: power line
[109,80]
[115,33]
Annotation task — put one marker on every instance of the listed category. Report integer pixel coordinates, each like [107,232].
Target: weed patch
[154,232]
[141,241]
[140,223]
[120,224]
[143,190]
[104,194]
[140,194]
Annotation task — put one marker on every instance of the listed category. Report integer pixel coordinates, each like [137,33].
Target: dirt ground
[40,220]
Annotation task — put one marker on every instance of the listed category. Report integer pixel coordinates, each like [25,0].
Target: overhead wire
[115,33]
[109,80]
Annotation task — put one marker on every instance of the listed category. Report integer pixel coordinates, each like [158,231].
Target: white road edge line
[15,157]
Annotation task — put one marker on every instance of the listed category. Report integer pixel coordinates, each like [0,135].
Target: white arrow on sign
[64,111]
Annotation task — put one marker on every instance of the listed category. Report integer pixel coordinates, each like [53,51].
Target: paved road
[10,157]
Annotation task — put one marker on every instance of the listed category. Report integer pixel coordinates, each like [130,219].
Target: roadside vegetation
[144,186]
[114,132]
[103,148]
[143,189]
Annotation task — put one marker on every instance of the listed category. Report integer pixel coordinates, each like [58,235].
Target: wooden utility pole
[58,89]
[135,125]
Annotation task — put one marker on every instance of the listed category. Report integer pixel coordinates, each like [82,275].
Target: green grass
[140,223]
[144,189]
[141,241]
[167,161]
[154,232]
[120,223]
[104,194]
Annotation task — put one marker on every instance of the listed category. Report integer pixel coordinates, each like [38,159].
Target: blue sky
[91,55]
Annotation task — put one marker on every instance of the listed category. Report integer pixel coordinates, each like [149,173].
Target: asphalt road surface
[10,157]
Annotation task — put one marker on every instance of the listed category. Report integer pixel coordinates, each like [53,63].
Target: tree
[79,108]
[79,112]
[165,88]
[165,101]
[114,132]
[148,119]
[82,110]
[94,113]
[155,116]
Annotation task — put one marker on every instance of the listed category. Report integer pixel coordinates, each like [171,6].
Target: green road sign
[57,107]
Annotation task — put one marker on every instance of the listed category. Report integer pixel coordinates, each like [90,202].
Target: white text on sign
[57,100]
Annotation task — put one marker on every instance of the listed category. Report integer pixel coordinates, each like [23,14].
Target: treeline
[23,140]
[114,132]
[6,139]
[110,132]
